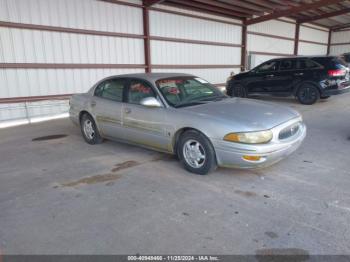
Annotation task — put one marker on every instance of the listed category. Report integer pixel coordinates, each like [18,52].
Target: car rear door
[144,125]
[284,77]
[107,104]
[306,70]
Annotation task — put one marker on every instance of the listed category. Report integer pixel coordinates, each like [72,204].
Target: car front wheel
[196,153]
[89,130]
[239,91]
[308,94]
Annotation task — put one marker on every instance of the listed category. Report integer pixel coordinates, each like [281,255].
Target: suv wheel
[308,94]
[196,153]
[239,91]
[89,130]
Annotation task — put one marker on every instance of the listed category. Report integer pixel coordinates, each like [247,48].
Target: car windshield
[187,91]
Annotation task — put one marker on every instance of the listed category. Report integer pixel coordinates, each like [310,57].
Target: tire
[89,130]
[308,94]
[201,160]
[325,97]
[229,88]
[239,91]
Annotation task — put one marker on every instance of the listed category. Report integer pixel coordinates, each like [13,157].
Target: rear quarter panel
[78,103]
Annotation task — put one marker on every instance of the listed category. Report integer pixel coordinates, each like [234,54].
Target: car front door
[144,125]
[262,78]
[107,105]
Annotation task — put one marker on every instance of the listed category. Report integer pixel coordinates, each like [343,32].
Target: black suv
[307,78]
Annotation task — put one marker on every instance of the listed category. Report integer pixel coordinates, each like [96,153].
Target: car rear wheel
[196,153]
[89,130]
[308,94]
[239,91]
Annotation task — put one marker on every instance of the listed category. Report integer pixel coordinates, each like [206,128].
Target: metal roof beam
[152,2]
[292,11]
[214,9]
[230,7]
[339,27]
[326,15]
[249,5]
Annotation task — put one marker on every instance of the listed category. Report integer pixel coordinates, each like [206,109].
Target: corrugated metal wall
[275,36]
[190,28]
[38,46]
[340,42]
[317,40]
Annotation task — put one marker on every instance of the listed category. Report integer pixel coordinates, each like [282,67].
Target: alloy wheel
[194,153]
[89,130]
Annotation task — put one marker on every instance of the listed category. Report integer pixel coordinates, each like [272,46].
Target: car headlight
[259,137]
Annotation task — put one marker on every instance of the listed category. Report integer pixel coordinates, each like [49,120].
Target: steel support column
[329,41]
[147,44]
[296,38]
[244,48]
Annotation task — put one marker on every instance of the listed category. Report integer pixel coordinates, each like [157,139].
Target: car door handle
[127,110]
[93,103]
[269,76]
[299,74]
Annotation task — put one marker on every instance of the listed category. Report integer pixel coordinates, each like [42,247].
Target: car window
[111,89]
[286,65]
[269,66]
[139,90]
[306,64]
[330,62]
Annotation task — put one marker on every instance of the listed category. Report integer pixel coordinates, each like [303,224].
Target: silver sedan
[185,115]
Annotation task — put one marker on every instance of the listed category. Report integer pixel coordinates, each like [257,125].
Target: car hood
[244,114]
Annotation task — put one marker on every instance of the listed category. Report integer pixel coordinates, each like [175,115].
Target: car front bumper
[229,154]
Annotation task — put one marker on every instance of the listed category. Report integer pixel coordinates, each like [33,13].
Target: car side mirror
[150,102]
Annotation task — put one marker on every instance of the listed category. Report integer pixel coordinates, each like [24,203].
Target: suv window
[286,65]
[330,62]
[111,89]
[139,90]
[306,64]
[269,66]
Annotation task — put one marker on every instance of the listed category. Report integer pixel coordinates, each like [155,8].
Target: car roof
[152,77]
[304,56]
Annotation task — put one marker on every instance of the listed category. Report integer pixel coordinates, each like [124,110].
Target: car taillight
[337,72]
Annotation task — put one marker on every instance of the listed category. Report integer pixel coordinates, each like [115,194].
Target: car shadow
[290,100]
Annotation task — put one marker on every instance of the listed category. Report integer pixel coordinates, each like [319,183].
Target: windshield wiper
[213,98]
[203,100]
[190,103]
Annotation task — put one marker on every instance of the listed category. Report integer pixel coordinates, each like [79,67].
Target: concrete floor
[64,196]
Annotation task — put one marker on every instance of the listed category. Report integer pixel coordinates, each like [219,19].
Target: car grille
[289,131]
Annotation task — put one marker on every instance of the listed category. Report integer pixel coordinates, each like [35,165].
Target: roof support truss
[326,15]
[292,11]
